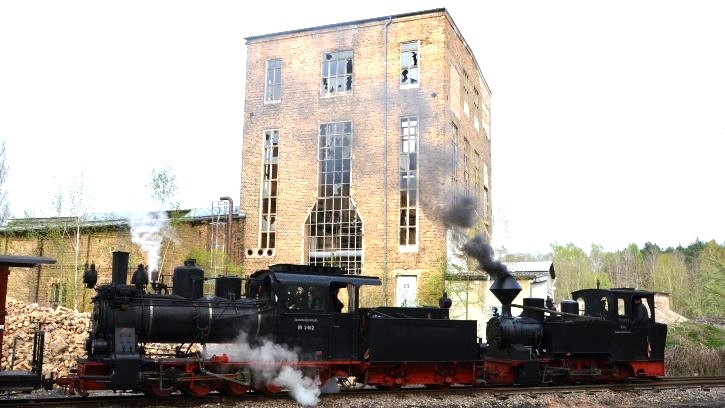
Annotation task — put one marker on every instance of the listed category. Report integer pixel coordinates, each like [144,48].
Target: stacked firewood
[66,331]
[65,335]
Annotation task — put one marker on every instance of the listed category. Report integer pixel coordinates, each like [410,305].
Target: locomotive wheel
[155,390]
[270,388]
[197,390]
[233,389]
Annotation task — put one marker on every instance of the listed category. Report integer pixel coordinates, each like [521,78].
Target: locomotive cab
[637,336]
[316,308]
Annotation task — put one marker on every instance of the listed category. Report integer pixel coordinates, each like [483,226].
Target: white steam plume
[268,356]
[148,231]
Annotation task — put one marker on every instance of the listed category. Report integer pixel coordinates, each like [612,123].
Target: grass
[694,349]
[693,333]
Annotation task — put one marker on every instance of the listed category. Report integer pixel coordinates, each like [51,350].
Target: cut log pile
[66,331]
[65,335]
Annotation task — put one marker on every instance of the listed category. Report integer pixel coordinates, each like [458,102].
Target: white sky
[608,117]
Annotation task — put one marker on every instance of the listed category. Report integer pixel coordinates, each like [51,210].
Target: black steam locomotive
[316,312]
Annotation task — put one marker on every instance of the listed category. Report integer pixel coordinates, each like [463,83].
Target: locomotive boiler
[125,317]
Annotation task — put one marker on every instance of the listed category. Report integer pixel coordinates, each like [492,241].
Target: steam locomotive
[316,312]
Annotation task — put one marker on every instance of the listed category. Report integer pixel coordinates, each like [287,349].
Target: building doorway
[405,291]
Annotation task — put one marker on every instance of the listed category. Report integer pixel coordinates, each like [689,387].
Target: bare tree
[70,207]
[4,207]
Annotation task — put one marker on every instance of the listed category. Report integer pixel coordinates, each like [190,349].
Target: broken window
[268,208]
[335,152]
[336,72]
[274,80]
[409,63]
[334,228]
[408,181]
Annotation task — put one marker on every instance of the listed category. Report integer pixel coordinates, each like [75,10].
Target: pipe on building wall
[38,272]
[228,240]
[385,166]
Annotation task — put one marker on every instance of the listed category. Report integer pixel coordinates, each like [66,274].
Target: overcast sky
[608,118]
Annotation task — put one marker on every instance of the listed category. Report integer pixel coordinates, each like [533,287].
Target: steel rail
[126,400]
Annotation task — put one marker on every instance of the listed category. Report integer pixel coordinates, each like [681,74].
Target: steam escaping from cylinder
[148,231]
[270,367]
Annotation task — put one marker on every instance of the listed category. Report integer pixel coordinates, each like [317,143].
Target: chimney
[505,289]
[119,268]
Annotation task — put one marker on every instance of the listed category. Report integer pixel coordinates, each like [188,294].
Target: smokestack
[505,289]
[119,268]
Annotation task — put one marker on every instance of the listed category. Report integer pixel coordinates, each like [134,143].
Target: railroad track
[138,400]
[635,384]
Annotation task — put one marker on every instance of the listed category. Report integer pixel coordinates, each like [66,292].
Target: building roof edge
[346,23]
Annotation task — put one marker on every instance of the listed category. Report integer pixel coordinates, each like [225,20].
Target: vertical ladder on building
[218,234]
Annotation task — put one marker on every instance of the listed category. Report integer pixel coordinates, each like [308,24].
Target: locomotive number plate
[305,324]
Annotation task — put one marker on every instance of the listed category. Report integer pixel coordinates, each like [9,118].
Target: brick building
[357,136]
[196,233]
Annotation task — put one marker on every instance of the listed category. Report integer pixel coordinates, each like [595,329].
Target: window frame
[466,166]
[274,84]
[403,66]
[325,74]
[334,230]
[271,194]
[404,211]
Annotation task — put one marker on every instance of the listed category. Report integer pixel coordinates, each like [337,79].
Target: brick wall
[302,109]
[96,246]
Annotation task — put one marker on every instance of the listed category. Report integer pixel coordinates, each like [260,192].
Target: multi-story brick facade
[357,136]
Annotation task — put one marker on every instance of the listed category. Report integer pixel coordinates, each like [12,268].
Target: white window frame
[270,227]
[405,142]
[267,84]
[326,75]
[403,50]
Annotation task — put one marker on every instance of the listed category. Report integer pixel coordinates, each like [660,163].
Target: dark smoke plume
[478,248]
[463,213]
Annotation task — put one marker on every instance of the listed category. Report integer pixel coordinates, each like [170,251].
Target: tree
[712,280]
[71,211]
[163,187]
[574,271]
[650,253]
[4,205]
[671,276]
